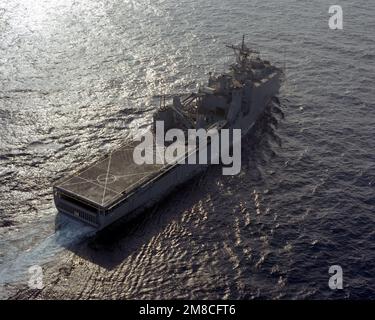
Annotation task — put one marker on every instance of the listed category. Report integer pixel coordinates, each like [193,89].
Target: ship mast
[242,52]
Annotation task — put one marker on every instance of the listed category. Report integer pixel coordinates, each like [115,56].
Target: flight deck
[110,178]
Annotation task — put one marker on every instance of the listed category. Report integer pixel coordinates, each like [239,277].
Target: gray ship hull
[116,188]
[157,186]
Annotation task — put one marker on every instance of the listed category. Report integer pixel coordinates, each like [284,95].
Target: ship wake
[15,269]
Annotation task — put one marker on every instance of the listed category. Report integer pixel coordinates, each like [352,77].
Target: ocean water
[78,78]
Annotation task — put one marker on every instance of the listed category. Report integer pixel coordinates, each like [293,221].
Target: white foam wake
[15,268]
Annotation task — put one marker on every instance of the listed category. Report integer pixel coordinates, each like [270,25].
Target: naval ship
[115,187]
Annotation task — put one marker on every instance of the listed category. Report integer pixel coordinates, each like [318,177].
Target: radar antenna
[242,52]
